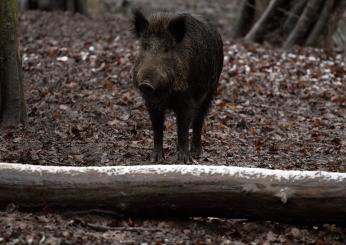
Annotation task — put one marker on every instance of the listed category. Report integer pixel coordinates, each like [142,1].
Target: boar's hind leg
[157,122]
[198,121]
[184,116]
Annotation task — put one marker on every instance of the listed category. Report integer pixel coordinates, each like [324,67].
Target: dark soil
[274,109]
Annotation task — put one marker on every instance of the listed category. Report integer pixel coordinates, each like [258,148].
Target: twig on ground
[104,228]
[95,211]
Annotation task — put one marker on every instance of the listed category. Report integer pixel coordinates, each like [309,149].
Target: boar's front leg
[157,118]
[184,116]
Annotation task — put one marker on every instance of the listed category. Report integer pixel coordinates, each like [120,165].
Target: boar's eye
[145,45]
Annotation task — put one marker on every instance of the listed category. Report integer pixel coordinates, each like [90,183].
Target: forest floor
[274,109]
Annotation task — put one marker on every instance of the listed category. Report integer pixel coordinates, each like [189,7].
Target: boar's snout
[151,80]
[146,87]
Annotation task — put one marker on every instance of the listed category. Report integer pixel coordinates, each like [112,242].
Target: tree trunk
[304,24]
[289,23]
[321,23]
[334,22]
[245,19]
[180,190]
[293,15]
[77,6]
[12,103]
[260,26]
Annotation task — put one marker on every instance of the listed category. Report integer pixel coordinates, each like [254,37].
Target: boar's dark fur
[178,67]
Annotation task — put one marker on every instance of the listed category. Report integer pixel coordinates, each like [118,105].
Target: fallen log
[179,190]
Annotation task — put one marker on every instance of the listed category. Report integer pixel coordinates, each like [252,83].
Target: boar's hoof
[146,87]
[157,156]
[196,151]
[183,156]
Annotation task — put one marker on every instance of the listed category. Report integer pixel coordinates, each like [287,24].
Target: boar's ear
[140,22]
[177,27]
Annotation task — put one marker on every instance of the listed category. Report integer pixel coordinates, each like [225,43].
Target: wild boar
[178,67]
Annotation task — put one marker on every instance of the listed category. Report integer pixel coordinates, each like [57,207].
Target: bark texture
[180,190]
[12,103]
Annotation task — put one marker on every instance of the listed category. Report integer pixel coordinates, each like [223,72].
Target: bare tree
[12,103]
[289,23]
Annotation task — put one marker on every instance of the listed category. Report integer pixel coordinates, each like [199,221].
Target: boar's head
[161,66]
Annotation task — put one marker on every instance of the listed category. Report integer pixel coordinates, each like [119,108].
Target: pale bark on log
[13,109]
[180,190]
[304,23]
[260,26]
